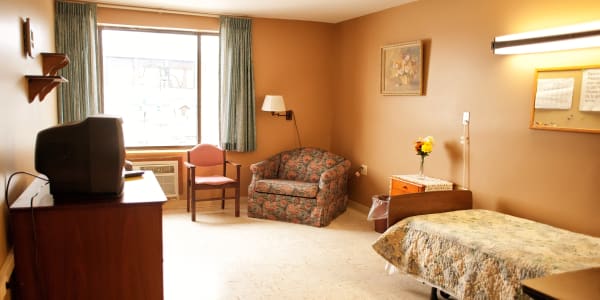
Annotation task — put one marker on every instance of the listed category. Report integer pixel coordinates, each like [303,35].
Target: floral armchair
[304,185]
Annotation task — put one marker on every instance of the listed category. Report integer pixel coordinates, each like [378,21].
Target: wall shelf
[52,62]
[41,85]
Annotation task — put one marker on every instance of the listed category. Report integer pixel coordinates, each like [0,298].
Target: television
[83,160]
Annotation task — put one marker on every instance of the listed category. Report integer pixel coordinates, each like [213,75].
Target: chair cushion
[212,180]
[287,187]
[306,164]
[205,155]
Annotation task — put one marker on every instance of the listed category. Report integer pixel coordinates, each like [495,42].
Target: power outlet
[363,170]
[466,118]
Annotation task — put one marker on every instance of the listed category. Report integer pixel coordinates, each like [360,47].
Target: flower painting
[402,69]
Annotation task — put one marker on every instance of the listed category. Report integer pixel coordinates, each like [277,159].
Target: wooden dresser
[101,249]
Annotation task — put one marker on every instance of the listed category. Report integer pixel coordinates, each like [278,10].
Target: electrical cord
[6,188]
[297,132]
[33,231]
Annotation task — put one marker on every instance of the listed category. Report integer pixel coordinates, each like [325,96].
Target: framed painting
[402,69]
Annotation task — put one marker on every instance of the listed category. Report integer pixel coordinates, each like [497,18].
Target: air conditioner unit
[166,172]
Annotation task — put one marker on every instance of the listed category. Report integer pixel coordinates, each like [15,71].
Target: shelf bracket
[52,62]
[42,85]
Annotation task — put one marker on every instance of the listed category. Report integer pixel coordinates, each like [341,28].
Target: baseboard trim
[359,207]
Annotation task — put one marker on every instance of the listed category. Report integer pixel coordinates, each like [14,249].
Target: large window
[165,86]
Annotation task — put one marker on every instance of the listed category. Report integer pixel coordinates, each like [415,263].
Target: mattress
[481,254]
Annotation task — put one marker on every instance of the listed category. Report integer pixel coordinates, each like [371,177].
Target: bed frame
[407,205]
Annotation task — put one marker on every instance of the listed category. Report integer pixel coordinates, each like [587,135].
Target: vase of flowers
[423,146]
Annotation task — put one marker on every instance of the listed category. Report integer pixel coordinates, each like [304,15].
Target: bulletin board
[567,99]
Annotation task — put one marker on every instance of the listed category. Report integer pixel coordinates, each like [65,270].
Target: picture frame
[402,68]
[28,42]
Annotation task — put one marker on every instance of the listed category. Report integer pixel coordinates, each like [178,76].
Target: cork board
[567,99]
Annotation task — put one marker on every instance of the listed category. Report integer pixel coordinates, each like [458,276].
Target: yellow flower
[427,147]
[424,146]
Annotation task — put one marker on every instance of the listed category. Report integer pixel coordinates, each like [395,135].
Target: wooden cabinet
[410,184]
[399,186]
[91,249]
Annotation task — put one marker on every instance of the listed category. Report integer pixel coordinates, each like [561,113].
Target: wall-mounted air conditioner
[166,172]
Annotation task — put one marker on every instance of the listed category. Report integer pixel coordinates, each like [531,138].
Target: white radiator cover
[166,172]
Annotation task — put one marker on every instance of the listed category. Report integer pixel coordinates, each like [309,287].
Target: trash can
[379,212]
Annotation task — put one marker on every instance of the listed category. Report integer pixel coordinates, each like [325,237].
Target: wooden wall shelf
[42,85]
[52,62]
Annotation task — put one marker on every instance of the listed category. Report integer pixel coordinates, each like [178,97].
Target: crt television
[82,160]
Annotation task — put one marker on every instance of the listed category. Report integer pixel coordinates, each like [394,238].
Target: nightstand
[407,184]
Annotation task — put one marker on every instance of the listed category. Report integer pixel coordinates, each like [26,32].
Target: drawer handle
[405,187]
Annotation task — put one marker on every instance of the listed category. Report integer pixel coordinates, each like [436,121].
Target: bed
[473,253]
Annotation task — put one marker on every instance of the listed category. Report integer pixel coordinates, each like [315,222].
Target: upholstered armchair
[304,185]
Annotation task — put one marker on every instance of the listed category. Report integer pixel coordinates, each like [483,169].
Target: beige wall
[551,177]
[19,120]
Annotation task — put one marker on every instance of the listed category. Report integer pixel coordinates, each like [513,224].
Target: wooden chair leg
[237,201]
[223,199]
[189,188]
[187,199]
[193,203]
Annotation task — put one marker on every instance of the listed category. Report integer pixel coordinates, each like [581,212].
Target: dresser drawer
[399,187]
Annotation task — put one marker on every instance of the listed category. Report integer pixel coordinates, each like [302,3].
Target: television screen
[83,159]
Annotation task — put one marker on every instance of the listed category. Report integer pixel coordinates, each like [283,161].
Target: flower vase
[421,174]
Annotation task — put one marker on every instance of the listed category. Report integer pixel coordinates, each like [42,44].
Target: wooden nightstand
[408,184]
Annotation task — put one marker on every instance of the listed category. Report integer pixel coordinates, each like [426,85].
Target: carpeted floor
[223,257]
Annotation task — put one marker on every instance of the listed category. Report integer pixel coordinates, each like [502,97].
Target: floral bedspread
[481,254]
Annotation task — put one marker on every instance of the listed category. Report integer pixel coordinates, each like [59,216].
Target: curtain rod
[155,10]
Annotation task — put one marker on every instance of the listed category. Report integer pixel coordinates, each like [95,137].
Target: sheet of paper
[554,93]
[590,90]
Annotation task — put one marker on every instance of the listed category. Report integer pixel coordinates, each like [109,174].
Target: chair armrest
[337,172]
[237,168]
[189,165]
[232,163]
[265,169]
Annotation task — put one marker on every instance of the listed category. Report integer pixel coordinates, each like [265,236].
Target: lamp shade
[273,103]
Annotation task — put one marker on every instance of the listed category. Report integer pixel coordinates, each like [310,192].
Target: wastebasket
[379,212]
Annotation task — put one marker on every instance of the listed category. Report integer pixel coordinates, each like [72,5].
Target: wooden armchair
[210,157]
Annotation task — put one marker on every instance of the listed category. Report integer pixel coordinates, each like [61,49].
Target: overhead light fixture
[276,105]
[578,36]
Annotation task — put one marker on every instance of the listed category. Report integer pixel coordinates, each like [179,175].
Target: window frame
[198,35]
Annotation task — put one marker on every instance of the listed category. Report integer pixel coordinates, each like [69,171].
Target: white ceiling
[329,11]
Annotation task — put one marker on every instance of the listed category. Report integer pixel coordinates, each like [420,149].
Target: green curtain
[76,35]
[237,109]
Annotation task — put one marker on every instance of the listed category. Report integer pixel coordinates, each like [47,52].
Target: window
[165,86]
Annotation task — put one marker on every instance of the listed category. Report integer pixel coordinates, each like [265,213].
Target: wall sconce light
[275,105]
[578,36]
